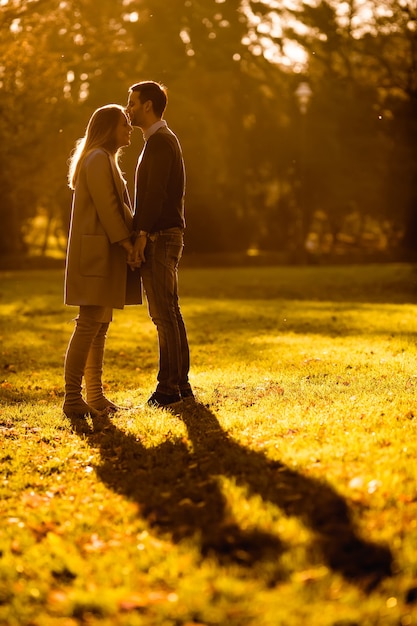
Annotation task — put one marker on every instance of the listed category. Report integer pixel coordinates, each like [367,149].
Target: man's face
[135,110]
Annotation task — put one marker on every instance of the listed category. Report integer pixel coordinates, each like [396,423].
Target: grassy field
[286,497]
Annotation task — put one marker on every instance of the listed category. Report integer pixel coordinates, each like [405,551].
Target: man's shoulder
[164,139]
[162,134]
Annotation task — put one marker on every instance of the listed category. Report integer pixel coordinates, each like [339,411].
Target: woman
[97,278]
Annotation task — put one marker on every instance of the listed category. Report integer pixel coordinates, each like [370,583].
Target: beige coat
[96,270]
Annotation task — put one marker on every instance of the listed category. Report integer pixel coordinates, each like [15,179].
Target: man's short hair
[155,92]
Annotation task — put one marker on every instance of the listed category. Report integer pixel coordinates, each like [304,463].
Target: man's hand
[138,253]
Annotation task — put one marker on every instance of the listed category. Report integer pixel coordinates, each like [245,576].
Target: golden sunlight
[269,32]
[266,35]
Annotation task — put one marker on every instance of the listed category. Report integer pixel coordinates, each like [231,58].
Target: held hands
[137,256]
[135,251]
[128,246]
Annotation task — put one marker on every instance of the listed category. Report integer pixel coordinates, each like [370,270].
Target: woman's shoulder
[97,161]
[96,154]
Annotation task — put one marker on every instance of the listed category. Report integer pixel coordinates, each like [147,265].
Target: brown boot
[93,372]
[75,360]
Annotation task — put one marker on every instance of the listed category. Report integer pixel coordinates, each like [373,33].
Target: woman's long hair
[100,133]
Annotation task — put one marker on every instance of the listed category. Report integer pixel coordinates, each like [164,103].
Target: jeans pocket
[173,251]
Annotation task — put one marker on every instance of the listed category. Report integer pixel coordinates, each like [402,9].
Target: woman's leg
[93,373]
[86,329]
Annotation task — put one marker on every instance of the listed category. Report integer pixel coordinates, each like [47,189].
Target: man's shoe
[188,396]
[160,400]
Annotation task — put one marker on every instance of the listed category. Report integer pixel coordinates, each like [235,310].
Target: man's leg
[159,275]
[184,384]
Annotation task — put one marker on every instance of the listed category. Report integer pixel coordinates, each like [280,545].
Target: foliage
[259,172]
[367,58]
[284,497]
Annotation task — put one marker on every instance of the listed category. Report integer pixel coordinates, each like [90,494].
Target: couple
[107,237]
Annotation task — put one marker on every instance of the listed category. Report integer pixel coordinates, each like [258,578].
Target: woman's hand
[128,246]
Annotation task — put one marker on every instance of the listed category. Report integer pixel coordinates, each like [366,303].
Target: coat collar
[120,184]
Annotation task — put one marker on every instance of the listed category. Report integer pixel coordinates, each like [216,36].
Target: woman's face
[123,131]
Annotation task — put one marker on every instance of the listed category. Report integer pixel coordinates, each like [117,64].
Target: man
[159,224]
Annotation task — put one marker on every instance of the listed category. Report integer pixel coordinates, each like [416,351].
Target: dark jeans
[160,281]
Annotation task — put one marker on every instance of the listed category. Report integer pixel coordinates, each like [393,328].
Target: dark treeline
[320,169]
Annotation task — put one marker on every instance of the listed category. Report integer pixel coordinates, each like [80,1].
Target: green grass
[286,497]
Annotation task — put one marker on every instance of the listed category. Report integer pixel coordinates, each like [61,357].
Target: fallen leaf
[356,483]
[140,600]
[34,500]
[185,501]
[95,544]
[311,574]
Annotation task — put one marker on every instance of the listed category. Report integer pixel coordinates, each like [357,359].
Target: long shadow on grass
[177,488]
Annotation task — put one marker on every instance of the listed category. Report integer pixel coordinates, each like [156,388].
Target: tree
[52,64]
[361,64]
[231,69]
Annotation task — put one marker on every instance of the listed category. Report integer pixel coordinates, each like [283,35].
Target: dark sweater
[160,184]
